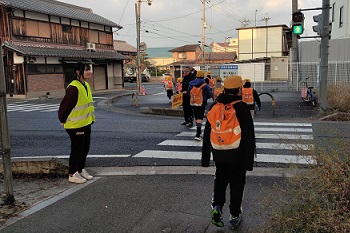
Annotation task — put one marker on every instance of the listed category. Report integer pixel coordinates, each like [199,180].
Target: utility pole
[266,19]
[138,42]
[322,99]
[5,138]
[203,30]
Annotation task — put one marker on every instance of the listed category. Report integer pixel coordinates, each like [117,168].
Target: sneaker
[190,124]
[184,123]
[76,178]
[198,138]
[86,175]
[216,216]
[234,222]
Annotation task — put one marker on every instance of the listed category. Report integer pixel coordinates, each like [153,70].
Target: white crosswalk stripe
[27,107]
[277,142]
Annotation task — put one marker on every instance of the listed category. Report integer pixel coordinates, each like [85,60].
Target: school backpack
[217,91]
[196,95]
[225,128]
[169,85]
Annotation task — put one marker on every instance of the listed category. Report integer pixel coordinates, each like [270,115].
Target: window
[333,10]
[182,55]
[341,16]
[45,69]
[37,29]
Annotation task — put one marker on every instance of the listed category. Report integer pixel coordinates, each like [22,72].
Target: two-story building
[42,40]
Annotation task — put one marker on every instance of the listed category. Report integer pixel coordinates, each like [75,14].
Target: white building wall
[340,32]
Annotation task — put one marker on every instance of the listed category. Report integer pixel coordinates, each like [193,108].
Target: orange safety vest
[247,95]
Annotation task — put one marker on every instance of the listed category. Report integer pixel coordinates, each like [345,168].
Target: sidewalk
[145,199]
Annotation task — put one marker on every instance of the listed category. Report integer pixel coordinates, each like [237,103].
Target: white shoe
[76,178]
[86,175]
[198,138]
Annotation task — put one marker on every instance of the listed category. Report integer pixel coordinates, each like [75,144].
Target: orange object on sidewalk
[143,91]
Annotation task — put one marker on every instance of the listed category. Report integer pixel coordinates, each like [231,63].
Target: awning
[63,52]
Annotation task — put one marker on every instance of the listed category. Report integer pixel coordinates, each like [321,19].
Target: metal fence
[261,74]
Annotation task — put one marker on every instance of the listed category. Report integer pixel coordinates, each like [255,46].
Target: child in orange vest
[249,96]
[179,85]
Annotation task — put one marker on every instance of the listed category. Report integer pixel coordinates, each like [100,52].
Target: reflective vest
[83,113]
[247,95]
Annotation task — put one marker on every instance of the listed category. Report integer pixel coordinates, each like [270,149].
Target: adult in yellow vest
[249,96]
[76,114]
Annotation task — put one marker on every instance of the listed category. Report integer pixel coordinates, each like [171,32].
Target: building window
[333,10]
[341,16]
[45,69]
[182,55]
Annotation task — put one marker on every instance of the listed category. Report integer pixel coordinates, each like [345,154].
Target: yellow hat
[247,80]
[167,78]
[219,79]
[179,80]
[200,74]
[232,82]
[208,72]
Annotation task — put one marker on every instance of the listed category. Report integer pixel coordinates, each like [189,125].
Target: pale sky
[173,23]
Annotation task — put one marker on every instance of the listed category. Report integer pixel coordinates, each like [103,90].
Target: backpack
[217,91]
[225,128]
[196,95]
[169,85]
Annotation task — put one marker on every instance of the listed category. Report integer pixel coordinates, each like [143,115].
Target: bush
[317,200]
[338,98]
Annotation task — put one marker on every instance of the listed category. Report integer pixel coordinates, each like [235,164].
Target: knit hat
[232,82]
[200,74]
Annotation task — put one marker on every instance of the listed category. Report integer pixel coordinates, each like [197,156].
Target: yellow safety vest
[83,113]
[247,95]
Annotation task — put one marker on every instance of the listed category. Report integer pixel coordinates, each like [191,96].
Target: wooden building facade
[42,40]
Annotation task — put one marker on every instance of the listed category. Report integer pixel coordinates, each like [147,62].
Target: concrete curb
[52,167]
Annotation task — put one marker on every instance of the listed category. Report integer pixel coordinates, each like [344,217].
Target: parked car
[132,79]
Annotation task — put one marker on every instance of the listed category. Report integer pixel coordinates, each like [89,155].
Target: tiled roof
[123,46]
[56,8]
[186,48]
[64,52]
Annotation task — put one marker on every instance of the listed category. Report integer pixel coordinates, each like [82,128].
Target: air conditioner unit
[90,46]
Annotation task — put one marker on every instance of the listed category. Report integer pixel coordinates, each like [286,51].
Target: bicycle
[307,94]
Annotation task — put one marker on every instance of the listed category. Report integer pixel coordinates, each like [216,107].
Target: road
[123,139]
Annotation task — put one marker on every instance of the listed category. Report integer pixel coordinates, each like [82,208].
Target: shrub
[338,98]
[317,200]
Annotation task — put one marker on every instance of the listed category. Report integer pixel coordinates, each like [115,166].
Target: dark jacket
[243,156]
[207,93]
[186,80]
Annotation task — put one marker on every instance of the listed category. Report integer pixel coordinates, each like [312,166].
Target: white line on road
[262,136]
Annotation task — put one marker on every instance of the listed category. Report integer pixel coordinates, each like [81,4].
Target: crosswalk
[282,143]
[31,107]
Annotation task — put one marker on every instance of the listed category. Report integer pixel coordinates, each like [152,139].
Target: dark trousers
[80,146]
[224,175]
[187,108]
[169,93]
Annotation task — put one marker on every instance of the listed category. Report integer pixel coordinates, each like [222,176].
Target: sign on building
[228,70]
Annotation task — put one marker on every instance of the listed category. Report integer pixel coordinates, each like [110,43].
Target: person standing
[250,96]
[187,109]
[231,164]
[76,114]
[169,87]
[199,108]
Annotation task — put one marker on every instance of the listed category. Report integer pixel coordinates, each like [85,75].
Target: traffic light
[298,23]
[319,26]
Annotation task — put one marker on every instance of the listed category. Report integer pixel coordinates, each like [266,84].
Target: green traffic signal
[298,29]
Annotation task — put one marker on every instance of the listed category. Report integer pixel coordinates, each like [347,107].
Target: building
[227,46]
[263,41]
[43,39]
[340,19]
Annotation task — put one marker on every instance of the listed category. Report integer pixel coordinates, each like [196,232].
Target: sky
[174,23]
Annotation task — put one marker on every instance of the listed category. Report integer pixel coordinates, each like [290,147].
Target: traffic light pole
[322,96]
[295,55]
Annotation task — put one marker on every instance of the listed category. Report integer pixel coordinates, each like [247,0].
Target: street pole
[295,49]
[322,98]
[138,41]
[5,138]
[203,30]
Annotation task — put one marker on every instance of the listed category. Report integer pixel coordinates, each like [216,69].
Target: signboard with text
[228,70]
